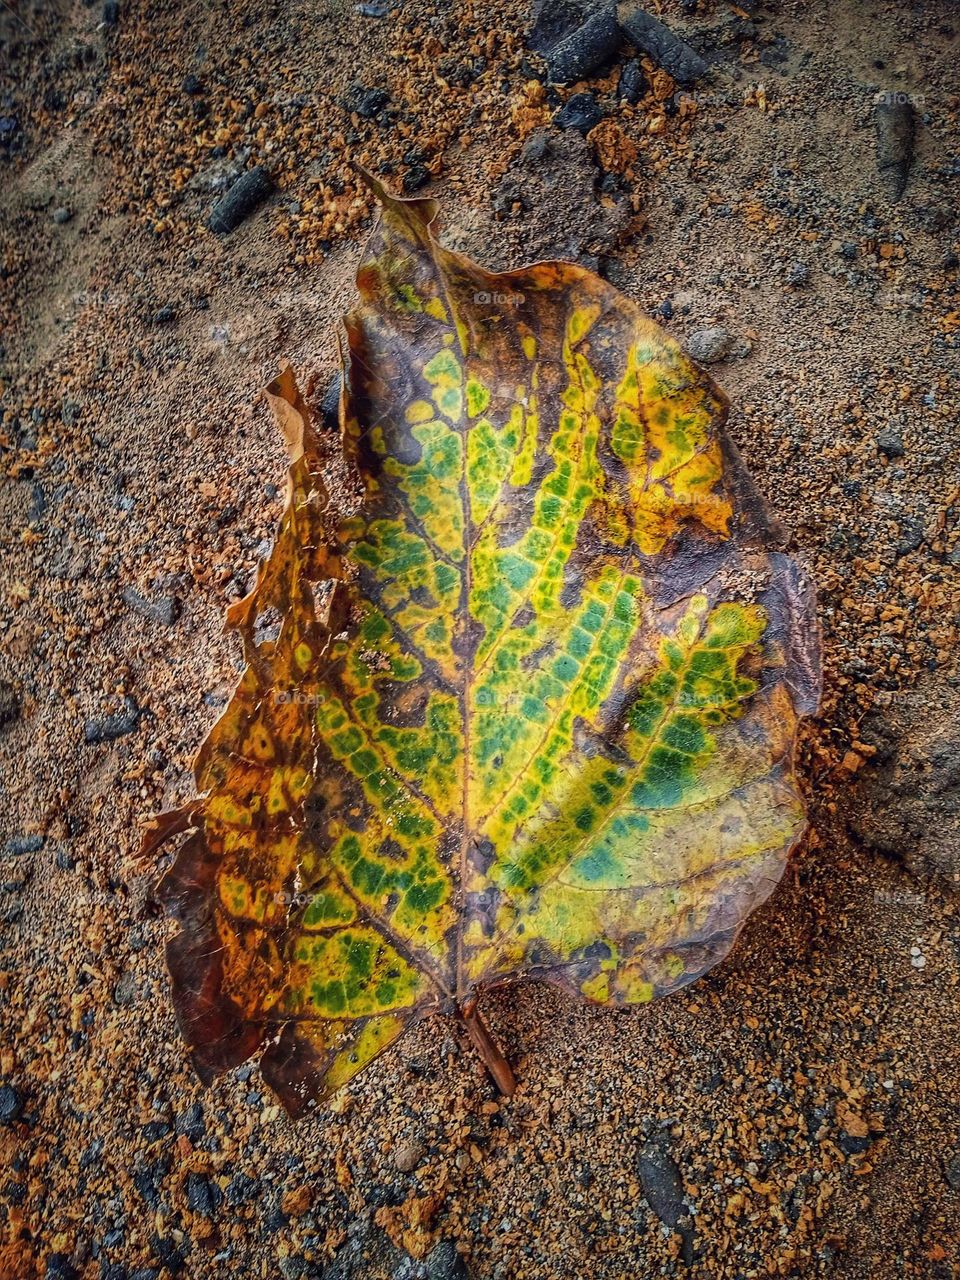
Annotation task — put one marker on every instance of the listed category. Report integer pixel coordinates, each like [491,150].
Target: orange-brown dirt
[795,1113]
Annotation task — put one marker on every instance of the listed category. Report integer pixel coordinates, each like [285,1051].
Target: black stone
[890,443]
[14,1193]
[912,535]
[330,403]
[798,274]
[444,1263]
[590,47]
[11,1104]
[250,190]
[370,102]
[552,21]
[632,84]
[241,1189]
[143,1180]
[581,112]
[9,704]
[168,1253]
[662,1184]
[851,1145]
[203,1195]
[59,1267]
[154,1130]
[191,1124]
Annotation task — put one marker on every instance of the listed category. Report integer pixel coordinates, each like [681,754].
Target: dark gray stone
[553,21]
[662,1184]
[203,1195]
[632,84]
[798,274]
[417,176]
[444,1263]
[59,1267]
[191,1123]
[124,993]
[330,403]
[707,346]
[17,846]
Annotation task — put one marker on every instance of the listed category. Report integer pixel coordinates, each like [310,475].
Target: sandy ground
[794,1114]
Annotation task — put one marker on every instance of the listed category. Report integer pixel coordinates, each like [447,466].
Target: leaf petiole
[486,1046]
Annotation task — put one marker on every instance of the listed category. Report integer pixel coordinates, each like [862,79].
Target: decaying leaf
[531,713]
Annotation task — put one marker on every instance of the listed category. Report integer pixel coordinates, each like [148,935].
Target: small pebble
[707,346]
[408,1155]
[798,274]
[890,443]
[632,84]
[11,1105]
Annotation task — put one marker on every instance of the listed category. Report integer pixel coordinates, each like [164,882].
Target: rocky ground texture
[794,1114]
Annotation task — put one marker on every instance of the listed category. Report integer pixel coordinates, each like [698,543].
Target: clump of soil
[908,801]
